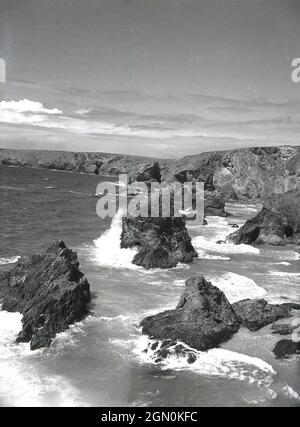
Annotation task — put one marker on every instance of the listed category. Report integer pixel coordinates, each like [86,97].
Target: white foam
[237,287]
[21,382]
[282,255]
[215,362]
[9,260]
[282,263]
[120,318]
[283,273]
[291,393]
[108,251]
[217,229]
[201,243]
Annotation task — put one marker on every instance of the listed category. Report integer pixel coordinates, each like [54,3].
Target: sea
[100,361]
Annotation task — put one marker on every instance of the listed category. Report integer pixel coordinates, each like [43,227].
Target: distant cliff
[90,163]
[245,175]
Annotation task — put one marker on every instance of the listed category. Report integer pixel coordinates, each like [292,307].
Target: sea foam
[237,287]
[9,260]
[216,362]
[108,252]
[21,381]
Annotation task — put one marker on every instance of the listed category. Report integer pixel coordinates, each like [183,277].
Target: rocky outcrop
[89,163]
[203,318]
[255,314]
[244,175]
[49,290]
[286,348]
[146,172]
[214,205]
[276,224]
[162,242]
[283,329]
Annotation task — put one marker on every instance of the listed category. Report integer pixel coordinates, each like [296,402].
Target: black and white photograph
[149,206]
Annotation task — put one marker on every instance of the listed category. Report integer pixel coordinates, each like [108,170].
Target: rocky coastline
[49,291]
[246,175]
[204,319]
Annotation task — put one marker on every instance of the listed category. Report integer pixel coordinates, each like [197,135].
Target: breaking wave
[216,362]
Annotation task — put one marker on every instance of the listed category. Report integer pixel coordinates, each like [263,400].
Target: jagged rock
[160,351]
[277,224]
[285,348]
[146,172]
[162,242]
[49,290]
[202,319]
[214,205]
[291,305]
[257,313]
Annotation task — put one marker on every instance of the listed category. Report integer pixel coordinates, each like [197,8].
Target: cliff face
[49,290]
[90,163]
[245,175]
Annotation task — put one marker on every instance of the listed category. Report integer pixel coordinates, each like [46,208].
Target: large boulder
[257,313]
[49,290]
[278,223]
[162,242]
[286,348]
[203,318]
[214,205]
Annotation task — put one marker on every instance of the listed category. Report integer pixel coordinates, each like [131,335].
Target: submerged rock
[203,318]
[49,290]
[257,313]
[286,348]
[162,242]
[283,329]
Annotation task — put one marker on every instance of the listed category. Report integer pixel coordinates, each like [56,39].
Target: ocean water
[100,361]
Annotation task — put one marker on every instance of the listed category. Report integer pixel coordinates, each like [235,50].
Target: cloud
[159,126]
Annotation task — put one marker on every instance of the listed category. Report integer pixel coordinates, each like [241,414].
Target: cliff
[245,175]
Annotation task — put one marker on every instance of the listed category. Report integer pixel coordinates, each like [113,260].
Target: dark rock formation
[286,348]
[283,329]
[202,319]
[214,205]
[159,351]
[146,172]
[244,175]
[162,242]
[277,224]
[257,313]
[49,290]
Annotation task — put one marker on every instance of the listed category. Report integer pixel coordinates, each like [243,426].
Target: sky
[155,77]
